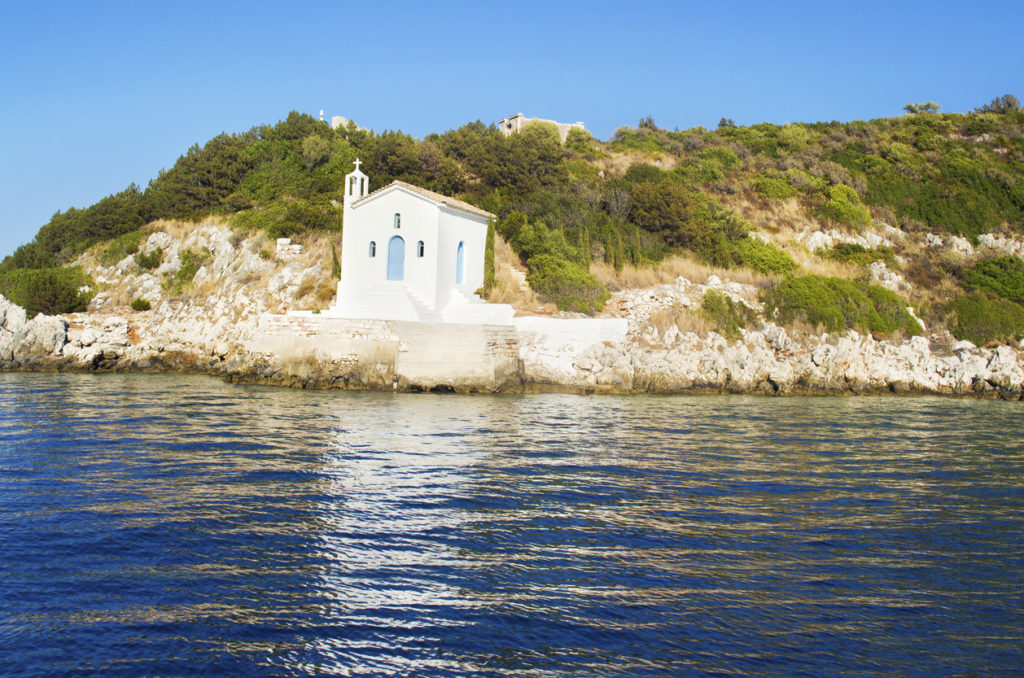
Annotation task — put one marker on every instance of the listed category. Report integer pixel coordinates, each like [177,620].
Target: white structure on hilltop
[340,121]
[514,123]
[411,254]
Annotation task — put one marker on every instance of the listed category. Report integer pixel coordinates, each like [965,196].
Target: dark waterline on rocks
[162,525]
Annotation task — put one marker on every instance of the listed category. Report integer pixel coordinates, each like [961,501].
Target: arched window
[460,264]
[398,220]
[419,249]
[373,248]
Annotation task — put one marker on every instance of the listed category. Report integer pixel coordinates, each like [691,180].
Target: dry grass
[178,229]
[504,254]
[120,297]
[508,289]
[521,298]
[683,318]
[801,332]
[670,268]
[325,293]
[305,289]
[772,216]
[316,247]
[812,264]
[616,163]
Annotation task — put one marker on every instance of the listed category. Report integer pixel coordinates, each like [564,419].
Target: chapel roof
[454,203]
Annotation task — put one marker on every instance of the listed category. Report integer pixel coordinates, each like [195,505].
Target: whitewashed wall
[459,227]
[373,220]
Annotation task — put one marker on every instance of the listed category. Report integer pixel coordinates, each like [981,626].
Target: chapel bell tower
[357,185]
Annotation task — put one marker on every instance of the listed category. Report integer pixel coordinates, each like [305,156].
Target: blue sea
[156,525]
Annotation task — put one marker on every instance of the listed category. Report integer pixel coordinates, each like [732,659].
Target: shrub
[581,142]
[983,318]
[764,257]
[140,304]
[844,206]
[47,290]
[565,283]
[725,157]
[120,247]
[805,181]
[727,315]
[852,253]
[838,304]
[287,218]
[641,139]
[190,263]
[533,238]
[1002,276]
[772,186]
[489,275]
[640,172]
[151,260]
[335,264]
[689,219]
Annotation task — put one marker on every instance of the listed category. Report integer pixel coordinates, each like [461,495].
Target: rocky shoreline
[767,362]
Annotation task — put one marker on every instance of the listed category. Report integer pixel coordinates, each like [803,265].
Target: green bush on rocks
[983,318]
[838,304]
[47,290]
[565,283]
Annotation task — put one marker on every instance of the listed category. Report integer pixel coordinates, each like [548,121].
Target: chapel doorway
[396,258]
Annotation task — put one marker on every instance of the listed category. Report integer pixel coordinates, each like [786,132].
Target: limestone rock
[158,240]
[1003,244]
[961,245]
[891,280]
[823,240]
[13,324]
[1004,370]
[45,335]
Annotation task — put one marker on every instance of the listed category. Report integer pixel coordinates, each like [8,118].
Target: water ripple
[178,526]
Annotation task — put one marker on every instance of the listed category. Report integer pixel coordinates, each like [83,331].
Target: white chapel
[412,254]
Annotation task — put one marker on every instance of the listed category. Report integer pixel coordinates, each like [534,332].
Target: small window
[398,220]
[373,248]
[419,249]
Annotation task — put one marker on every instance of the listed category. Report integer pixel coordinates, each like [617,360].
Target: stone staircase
[387,302]
[423,310]
[398,303]
[465,308]
[519,276]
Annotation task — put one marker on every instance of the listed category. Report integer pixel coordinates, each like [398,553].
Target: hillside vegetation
[645,195]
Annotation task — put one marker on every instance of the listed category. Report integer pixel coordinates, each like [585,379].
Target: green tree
[1003,104]
[335,264]
[565,283]
[47,290]
[683,218]
[928,107]
[315,150]
[489,276]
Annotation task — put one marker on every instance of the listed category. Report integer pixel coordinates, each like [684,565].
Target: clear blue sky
[97,95]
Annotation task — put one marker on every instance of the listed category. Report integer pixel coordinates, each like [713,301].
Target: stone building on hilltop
[516,122]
